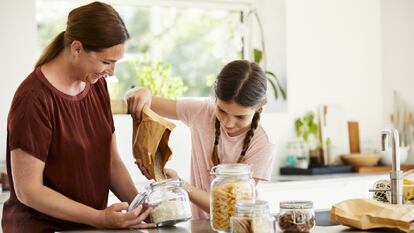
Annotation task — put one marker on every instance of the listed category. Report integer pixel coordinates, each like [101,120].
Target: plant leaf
[278,84]
[257,55]
[274,87]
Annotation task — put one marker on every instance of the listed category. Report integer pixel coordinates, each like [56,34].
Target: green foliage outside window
[157,77]
[190,44]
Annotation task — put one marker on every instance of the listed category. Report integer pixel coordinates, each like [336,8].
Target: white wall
[398,50]
[18,54]
[332,52]
[398,55]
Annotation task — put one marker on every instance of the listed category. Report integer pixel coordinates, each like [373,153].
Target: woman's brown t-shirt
[72,136]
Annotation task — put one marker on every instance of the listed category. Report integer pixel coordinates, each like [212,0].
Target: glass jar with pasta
[231,183]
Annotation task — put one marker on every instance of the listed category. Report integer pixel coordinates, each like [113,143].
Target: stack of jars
[232,183]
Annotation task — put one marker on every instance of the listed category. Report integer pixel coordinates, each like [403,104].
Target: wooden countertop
[203,226]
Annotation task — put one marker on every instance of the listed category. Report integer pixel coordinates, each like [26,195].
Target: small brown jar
[296,216]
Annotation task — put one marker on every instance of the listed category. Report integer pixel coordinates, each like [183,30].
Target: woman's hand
[137,98]
[115,217]
[143,170]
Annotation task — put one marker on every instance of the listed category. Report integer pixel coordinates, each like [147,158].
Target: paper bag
[368,214]
[150,142]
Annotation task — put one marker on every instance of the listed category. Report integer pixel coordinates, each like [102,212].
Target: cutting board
[379,169]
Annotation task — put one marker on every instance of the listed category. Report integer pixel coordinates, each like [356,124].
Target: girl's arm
[137,98]
[197,196]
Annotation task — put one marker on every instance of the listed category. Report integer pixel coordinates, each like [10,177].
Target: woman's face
[234,118]
[96,65]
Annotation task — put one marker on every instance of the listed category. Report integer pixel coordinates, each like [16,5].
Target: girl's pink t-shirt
[199,116]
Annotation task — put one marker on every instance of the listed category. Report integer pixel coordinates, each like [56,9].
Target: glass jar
[296,216]
[169,199]
[252,217]
[232,182]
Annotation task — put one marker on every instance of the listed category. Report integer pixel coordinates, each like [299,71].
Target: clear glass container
[296,155]
[296,216]
[169,199]
[231,183]
[252,217]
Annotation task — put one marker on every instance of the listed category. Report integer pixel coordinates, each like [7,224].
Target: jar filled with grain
[231,183]
[170,201]
[296,216]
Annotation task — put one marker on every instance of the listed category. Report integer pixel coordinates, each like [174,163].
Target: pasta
[224,199]
[252,225]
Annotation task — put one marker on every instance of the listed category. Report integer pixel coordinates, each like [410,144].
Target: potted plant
[259,56]
[308,129]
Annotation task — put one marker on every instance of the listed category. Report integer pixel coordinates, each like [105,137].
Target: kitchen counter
[339,176]
[203,226]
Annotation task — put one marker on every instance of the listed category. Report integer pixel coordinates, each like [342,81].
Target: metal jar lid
[296,205]
[231,169]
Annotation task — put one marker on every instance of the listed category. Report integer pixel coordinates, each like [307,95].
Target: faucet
[396,173]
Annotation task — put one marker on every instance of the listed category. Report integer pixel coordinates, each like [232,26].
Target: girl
[224,131]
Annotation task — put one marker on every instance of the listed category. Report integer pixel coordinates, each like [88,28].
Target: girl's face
[96,65]
[234,118]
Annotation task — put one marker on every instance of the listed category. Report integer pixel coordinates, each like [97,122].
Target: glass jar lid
[138,200]
[167,183]
[231,169]
[296,205]
[252,207]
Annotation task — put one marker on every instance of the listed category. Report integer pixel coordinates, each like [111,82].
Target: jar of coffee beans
[296,216]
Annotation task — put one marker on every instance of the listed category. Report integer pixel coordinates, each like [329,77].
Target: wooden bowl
[359,160]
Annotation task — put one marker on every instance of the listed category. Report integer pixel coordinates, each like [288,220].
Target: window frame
[244,6]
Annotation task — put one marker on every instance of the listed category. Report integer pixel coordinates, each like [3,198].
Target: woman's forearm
[52,203]
[121,182]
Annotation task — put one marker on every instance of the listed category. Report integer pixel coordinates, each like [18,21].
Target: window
[187,45]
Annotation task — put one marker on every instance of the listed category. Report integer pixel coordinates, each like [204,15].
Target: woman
[61,148]
[224,131]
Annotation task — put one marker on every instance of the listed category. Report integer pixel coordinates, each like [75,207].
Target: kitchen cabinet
[323,190]
[203,226]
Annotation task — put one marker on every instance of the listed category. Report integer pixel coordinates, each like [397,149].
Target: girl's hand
[143,170]
[115,216]
[137,98]
[170,173]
